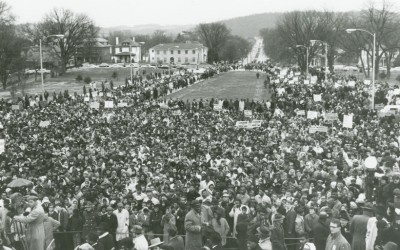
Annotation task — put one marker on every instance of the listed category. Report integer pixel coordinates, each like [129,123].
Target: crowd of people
[164,173]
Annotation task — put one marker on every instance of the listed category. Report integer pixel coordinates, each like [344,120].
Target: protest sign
[241,105]
[301,112]
[1,125]
[256,123]
[101,94]
[379,106]
[348,121]
[312,114]
[44,124]
[297,73]
[367,82]
[351,84]
[218,107]
[15,107]
[277,81]
[331,116]
[109,94]
[122,104]
[317,98]
[94,105]
[241,124]
[315,128]
[291,81]
[248,113]
[177,112]
[86,99]
[314,79]
[2,145]
[108,104]
[306,82]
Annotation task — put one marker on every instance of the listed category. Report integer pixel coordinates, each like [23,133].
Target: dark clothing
[320,232]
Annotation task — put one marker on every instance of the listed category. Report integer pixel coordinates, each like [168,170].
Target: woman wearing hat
[277,233]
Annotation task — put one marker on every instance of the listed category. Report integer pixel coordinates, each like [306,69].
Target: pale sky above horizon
[172,12]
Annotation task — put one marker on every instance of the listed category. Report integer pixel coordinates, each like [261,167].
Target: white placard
[297,74]
[277,81]
[108,104]
[351,84]
[15,107]
[44,124]
[109,94]
[348,121]
[306,82]
[1,125]
[312,114]
[101,94]
[241,124]
[86,99]
[122,104]
[2,145]
[331,116]
[317,98]
[241,105]
[291,81]
[248,113]
[367,82]
[177,112]
[94,105]
[301,112]
[314,79]
[256,123]
[315,128]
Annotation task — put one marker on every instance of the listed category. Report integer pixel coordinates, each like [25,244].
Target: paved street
[257,52]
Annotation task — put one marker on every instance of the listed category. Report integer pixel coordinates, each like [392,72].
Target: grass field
[230,85]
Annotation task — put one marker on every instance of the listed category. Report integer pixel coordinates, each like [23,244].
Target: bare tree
[214,36]
[76,28]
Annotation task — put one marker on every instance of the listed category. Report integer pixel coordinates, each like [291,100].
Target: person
[50,225]
[193,227]
[220,225]
[110,219]
[105,239]
[175,242]
[321,231]
[277,233]
[75,225]
[122,215]
[35,229]
[335,240]
[358,227]
[168,221]
[155,244]
[139,240]
[264,243]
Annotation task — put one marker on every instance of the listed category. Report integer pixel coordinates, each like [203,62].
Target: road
[257,52]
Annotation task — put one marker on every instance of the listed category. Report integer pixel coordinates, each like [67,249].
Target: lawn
[229,85]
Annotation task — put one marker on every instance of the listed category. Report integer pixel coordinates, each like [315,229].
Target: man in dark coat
[358,227]
[193,227]
[105,238]
[111,221]
[321,231]
[289,226]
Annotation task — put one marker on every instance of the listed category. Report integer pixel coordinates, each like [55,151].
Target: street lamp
[302,46]
[41,56]
[326,56]
[373,61]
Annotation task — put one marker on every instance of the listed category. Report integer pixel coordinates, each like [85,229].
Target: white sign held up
[348,121]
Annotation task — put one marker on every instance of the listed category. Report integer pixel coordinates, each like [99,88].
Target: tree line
[79,29]
[296,28]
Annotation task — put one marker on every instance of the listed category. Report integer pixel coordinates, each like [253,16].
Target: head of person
[196,206]
[109,210]
[120,206]
[335,226]
[32,201]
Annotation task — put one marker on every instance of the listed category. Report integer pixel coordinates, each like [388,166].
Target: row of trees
[300,27]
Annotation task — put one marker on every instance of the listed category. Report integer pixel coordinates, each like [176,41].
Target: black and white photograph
[199,125]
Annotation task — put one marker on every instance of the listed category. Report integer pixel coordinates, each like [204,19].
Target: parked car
[163,67]
[45,71]
[30,71]
[104,65]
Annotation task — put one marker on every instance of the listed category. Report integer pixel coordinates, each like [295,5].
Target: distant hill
[246,26]
[249,26]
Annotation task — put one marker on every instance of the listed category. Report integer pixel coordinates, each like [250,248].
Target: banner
[312,115]
[248,113]
[122,104]
[94,105]
[241,124]
[331,116]
[44,124]
[15,107]
[316,128]
[2,145]
[317,98]
[348,121]
[301,112]
[108,104]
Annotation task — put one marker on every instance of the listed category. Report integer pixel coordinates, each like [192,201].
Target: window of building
[194,51]
[179,59]
[186,59]
[165,52]
[158,52]
[120,49]
[179,52]
[186,52]
[193,59]
[172,52]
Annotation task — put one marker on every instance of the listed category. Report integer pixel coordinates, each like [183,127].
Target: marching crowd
[158,173]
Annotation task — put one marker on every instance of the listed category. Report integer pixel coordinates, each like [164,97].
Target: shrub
[79,78]
[87,79]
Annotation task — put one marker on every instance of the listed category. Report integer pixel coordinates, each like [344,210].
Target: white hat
[155,242]
[45,199]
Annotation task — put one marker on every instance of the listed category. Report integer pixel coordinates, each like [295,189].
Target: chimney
[133,39]
[116,41]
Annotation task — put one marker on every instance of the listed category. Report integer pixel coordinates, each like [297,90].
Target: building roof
[131,42]
[174,46]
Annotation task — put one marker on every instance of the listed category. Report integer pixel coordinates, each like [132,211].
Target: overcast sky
[107,13]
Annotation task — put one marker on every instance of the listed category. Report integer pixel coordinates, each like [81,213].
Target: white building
[178,53]
[127,50]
